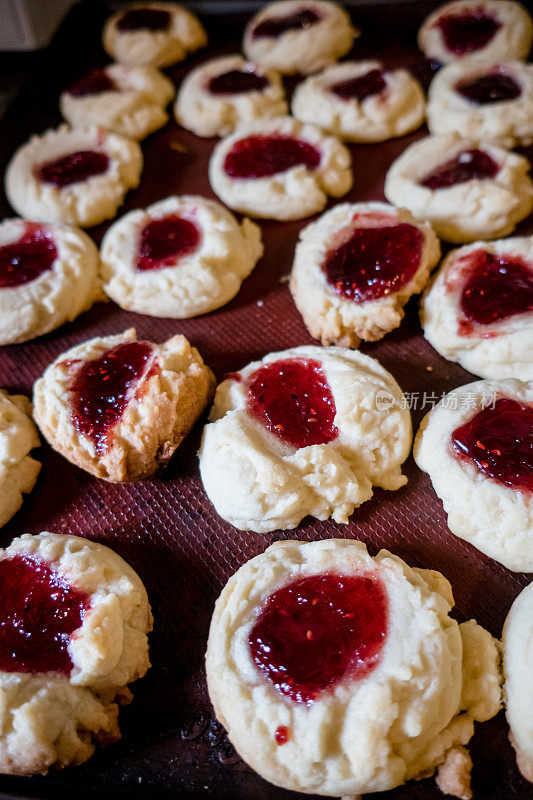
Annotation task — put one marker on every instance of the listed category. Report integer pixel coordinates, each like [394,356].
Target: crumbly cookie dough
[18,470]
[328,314]
[51,719]
[411,712]
[190,283]
[260,482]
[161,405]
[85,202]
[395,108]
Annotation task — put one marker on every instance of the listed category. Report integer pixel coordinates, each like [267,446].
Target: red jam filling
[263,156]
[281,735]
[164,241]
[499,440]
[360,88]
[275,27]
[149,19]
[317,630]
[73,168]
[101,389]
[25,260]
[496,87]
[293,400]
[96,82]
[38,615]
[470,165]
[237,81]
[467,32]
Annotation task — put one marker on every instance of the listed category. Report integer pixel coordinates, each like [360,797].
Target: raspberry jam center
[496,87]
[237,81]
[101,389]
[149,19]
[164,241]
[96,82]
[263,156]
[25,260]
[469,165]
[38,615]
[73,168]
[360,88]
[374,261]
[318,630]
[271,28]
[293,400]
[467,32]
[499,440]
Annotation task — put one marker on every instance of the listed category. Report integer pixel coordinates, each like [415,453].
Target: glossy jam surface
[466,166]
[149,19]
[101,389]
[496,87]
[319,629]
[73,168]
[499,440]
[165,240]
[96,82]
[262,156]
[25,260]
[275,26]
[293,400]
[237,81]
[469,31]
[281,735]
[374,261]
[496,287]
[38,615]
[360,88]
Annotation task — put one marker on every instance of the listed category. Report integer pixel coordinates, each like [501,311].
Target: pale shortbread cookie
[479,208]
[193,283]
[58,294]
[329,315]
[500,349]
[495,518]
[259,482]
[517,642]
[133,106]
[397,107]
[84,202]
[410,713]
[218,114]
[507,122]
[52,719]
[18,436]
[294,193]
[172,388]
[323,35]
[509,23]
[149,44]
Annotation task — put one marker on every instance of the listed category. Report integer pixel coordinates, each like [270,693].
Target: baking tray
[166,527]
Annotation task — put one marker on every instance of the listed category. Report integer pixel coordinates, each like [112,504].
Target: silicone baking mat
[166,527]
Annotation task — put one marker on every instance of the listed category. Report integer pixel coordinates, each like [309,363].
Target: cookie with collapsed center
[152,34]
[478,309]
[309,430]
[117,407]
[361,101]
[477,446]
[224,93]
[77,176]
[483,102]
[180,257]
[355,269]
[481,30]
[337,673]
[74,620]
[279,169]
[466,191]
[18,437]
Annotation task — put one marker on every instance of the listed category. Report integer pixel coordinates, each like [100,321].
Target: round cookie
[180,257]
[355,269]
[130,101]
[477,446]
[48,276]
[478,309]
[483,102]
[361,101]
[119,408]
[304,431]
[336,673]
[75,619]
[466,191]
[224,93]
[18,470]
[152,34]
[279,169]
[79,176]
[482,30]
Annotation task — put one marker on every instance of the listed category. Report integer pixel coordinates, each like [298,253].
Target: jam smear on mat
[96,82]
[468,31]
[495,87]
[261,156]
[72,168]
[163,241]
[274,27]
[26,259]
[469,165]
[360,88]
[237,81]
[149,19]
